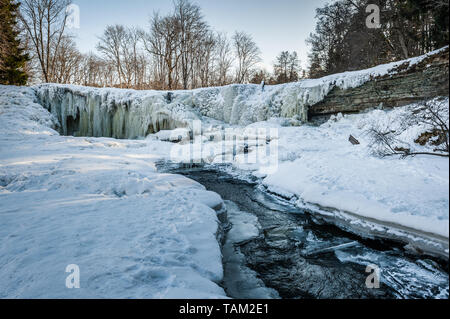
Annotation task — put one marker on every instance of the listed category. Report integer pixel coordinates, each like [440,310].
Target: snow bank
[118,113]
[100,204]
[319,165]
[318,168]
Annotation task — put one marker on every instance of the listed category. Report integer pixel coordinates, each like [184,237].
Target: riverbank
[135,232]
[273,244]
[317,168]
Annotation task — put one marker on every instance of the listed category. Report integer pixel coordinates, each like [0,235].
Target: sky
[276,25]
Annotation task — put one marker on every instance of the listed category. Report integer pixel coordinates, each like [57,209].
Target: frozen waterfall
[118,113]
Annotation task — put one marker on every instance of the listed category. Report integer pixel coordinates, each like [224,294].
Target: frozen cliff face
[123,114]
[246,104]
[84,111]
[243,104]
[117,113]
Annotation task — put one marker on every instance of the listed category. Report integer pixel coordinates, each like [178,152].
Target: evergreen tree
[315,67]
[12,56]
[287,67]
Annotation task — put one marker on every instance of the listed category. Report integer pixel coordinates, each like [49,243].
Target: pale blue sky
[275,25]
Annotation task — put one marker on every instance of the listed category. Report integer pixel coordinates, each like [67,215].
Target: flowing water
[287,254]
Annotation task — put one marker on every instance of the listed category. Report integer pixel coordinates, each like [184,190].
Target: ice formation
[124,114]
[118,113]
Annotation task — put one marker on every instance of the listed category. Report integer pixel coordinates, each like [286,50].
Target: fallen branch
[404,154]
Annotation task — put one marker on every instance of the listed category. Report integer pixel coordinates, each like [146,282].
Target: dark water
[292,254]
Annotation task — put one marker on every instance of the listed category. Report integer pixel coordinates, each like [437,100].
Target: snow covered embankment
[100,204]
[403,199]
[84,111]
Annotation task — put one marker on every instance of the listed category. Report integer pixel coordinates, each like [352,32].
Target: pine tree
[12,56]
[286,67]
[315,67]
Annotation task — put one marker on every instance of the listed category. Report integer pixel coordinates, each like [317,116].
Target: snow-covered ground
[407,198]
[99,204]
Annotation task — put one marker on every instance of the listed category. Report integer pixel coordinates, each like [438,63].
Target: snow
[100,204]
[121,113]
[319,169]
[405,277]
[319,165]
[242,282]
[245,225]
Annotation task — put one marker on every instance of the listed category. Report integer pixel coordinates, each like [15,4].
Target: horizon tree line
[180,50]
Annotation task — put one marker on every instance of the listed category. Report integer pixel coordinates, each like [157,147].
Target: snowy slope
[100,204]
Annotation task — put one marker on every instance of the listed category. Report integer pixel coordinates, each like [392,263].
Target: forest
[180,50]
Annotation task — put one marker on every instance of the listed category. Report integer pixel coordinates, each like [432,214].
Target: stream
[273,249]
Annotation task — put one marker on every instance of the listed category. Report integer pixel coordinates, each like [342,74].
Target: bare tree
[111,45]
[107,72]
[67,61]
[193,31]
[433,115]
[136,62]
[162,42]
[247,53]
[224,58]
[204,60]
[179,50]
[44,22]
